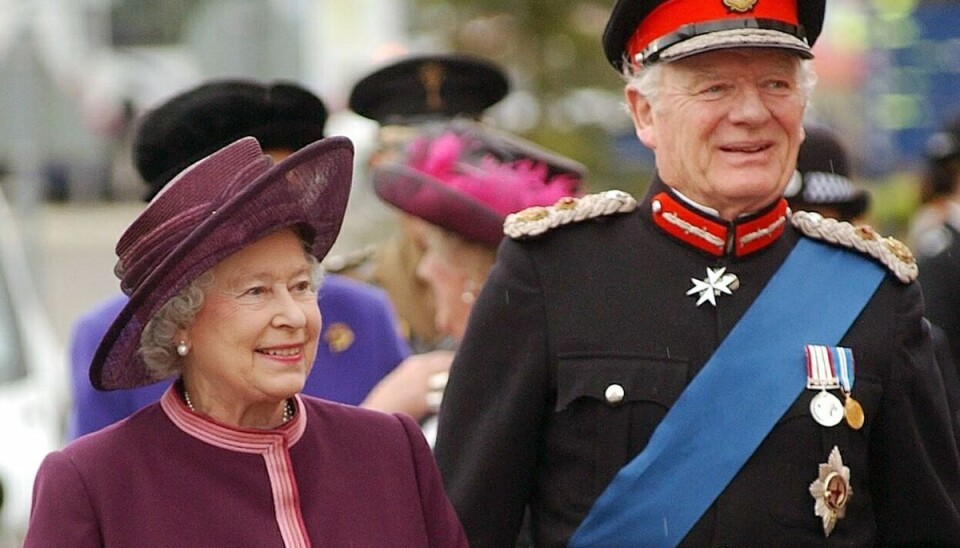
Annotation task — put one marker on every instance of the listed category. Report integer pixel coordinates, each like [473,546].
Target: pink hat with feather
[466,177]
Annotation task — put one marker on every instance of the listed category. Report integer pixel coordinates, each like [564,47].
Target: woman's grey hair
[158,344]
[647,80]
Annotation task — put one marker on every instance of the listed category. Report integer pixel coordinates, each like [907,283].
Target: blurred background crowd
[75,74]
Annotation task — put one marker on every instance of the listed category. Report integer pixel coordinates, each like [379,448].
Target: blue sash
[732,404]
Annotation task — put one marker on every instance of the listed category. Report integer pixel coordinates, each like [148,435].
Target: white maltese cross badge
[718,282]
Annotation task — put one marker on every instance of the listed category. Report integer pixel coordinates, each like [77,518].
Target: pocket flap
[619,380]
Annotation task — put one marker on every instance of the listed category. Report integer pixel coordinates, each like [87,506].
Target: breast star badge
[717,282]
[831,491]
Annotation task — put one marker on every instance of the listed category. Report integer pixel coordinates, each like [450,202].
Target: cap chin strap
[652,52]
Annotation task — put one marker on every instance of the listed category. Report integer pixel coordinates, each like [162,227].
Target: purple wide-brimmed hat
[211,210]
[466,178]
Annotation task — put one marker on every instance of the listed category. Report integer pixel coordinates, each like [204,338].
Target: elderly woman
[221,270]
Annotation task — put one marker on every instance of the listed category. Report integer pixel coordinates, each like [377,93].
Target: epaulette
[892,253]
[534,221]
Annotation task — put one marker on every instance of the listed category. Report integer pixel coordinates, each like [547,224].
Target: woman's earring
[469,295]
[182,348]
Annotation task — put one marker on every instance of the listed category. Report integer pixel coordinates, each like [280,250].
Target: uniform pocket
[608,407]
[615,381]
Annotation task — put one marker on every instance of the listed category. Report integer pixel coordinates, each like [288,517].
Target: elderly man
[702,368]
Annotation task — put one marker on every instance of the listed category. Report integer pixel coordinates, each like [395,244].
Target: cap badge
[431,76]
[740,6]
[339,337]
[717,282]
[831,491]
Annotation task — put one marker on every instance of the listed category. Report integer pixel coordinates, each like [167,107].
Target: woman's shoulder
[341,411]
[349,420]
[104,448]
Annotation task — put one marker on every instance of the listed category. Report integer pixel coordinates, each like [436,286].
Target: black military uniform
[532,418]
[586,333]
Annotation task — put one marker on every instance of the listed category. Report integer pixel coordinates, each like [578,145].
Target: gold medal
[853,412]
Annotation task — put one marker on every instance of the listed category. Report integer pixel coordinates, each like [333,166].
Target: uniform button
[614,394]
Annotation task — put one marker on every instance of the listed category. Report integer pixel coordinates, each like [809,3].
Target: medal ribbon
[843,357]
[695,451]
[822,365]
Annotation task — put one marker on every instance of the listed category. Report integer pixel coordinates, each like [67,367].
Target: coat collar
[243,440]
[702,229]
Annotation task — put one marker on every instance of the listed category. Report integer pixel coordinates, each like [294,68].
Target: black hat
[204,119]
[431,87]
[823,176]
[642,31]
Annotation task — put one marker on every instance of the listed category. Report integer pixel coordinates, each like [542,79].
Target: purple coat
[335,475]
[342,372]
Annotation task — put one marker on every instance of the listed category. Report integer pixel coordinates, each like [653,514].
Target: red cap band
[672,15]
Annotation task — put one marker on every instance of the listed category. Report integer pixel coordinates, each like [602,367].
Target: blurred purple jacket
[335,475]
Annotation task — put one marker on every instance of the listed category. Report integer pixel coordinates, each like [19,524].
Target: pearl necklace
[287,407]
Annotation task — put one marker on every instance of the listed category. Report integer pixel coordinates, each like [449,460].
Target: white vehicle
[33,383]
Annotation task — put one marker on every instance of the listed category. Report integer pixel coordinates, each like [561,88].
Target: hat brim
[822,189]
[736,38]
[422,196]
[309,190]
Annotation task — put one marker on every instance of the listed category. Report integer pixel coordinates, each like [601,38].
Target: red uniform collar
[716,236]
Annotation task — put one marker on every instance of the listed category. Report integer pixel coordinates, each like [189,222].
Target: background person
[657,373]
[825,183]
[461,180]
[938,247]
[221,271]
[360,342]
[402,97]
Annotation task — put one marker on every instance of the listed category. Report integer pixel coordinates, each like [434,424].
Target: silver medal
[826,409]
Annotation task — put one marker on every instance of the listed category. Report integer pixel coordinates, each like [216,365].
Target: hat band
[652,52]
[672,15]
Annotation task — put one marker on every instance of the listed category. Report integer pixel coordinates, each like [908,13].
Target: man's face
[725,127]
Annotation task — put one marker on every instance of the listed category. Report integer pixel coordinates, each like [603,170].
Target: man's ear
[642,113]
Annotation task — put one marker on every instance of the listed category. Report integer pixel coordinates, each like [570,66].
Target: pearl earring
[469,295]
[182,348]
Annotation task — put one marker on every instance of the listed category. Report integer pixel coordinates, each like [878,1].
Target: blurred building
[76,71]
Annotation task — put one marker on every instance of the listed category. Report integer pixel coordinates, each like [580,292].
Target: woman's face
[255,338]
[443,267]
